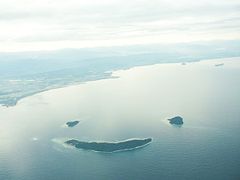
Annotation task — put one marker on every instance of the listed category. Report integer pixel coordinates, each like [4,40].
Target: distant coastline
[12,101]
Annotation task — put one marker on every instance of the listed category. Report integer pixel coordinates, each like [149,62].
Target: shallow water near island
[135,105]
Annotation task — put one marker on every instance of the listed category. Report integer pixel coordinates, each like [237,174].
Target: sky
[29,25]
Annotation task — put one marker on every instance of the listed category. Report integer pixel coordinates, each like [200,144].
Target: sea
[137,103]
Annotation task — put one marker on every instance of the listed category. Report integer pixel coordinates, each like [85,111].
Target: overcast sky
[52,24]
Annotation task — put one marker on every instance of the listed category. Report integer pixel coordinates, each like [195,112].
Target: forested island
[176,120]
[72,123]
[109,146]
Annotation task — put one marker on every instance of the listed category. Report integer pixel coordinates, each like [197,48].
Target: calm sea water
[135,105]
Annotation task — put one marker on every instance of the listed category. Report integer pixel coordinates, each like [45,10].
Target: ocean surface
[134,105]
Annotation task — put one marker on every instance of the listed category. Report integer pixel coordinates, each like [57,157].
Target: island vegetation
[72,123]
[109,146]
[176,120]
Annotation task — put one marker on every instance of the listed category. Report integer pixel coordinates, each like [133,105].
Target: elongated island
[109,146]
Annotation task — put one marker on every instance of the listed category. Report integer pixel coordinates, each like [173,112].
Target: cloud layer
[53,24]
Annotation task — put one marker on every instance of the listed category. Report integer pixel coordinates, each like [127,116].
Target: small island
[176,120]
[219,64]
[109,147]
[72,123]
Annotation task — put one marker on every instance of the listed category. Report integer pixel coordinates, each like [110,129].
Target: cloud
[28,23]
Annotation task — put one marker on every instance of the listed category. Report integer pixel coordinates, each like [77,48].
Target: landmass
[176,120]
[109,147]
[72,123]
[26,73]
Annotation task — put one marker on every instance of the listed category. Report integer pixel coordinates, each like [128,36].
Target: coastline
[111,74]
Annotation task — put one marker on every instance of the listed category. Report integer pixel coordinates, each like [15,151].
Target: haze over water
[135,105]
